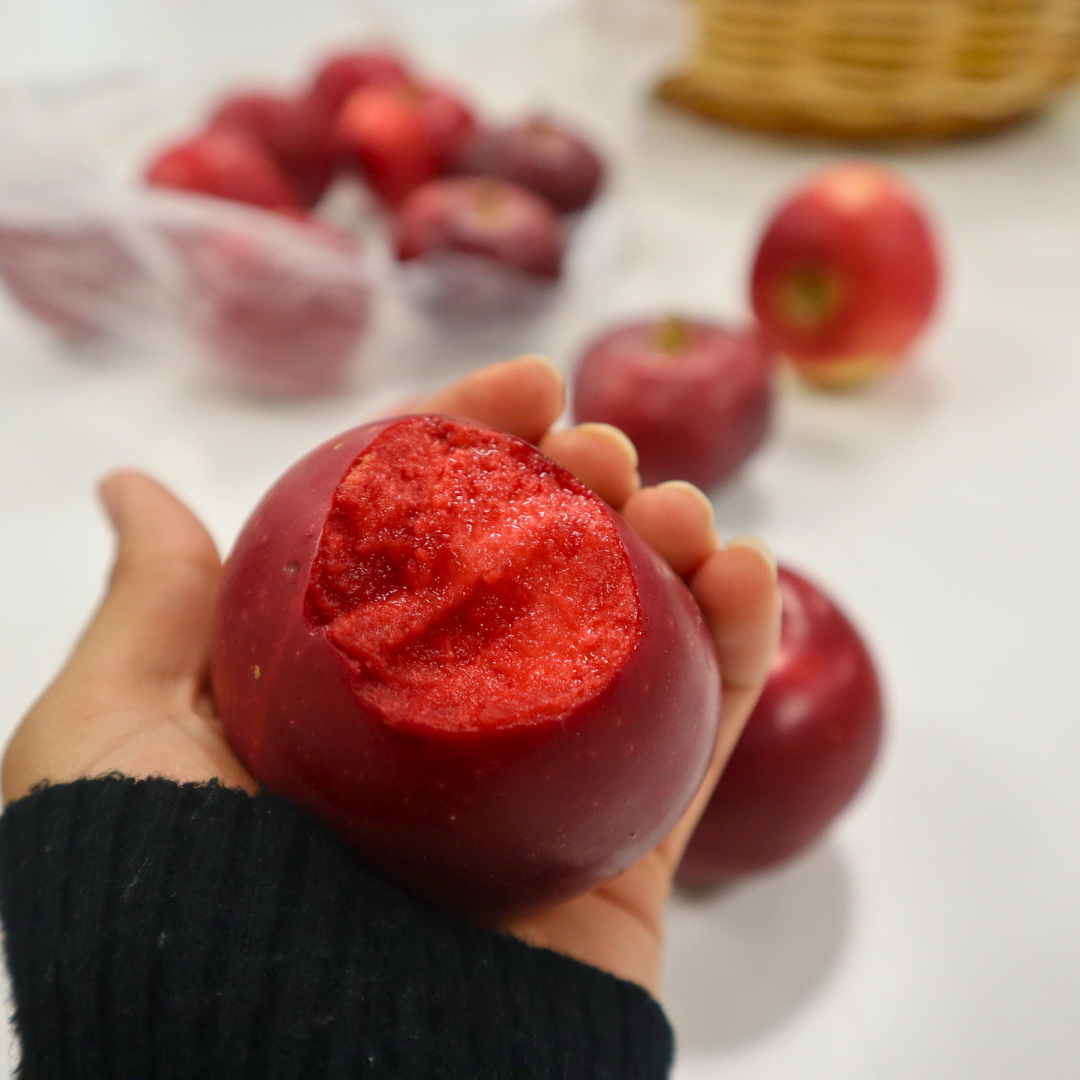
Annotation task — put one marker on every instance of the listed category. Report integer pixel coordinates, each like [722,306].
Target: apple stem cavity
[809,297]
[673,334]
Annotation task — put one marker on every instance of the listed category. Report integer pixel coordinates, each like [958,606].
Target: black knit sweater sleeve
[156,930]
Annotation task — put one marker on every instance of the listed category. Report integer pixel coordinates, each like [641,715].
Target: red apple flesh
[279,312]
[539,154]
[399,137]
[227,165]
[441,643]
[846,276]
[341,76]
[76,278]
[294,131]
[694,397]
[807,748]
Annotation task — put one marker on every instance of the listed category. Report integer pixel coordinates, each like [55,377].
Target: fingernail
[545,361]
[609,431]
[110,499]
[695,493]
[755,543]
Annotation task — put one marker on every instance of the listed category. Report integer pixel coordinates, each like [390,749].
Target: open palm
[135,698]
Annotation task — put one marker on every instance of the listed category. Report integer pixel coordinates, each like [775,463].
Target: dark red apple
[694,397]
[77,278]
[479,247]
[228,165]
[294,131]
[279,311]
[444,645]
[539,154]
[401,136]
[341,76]
[806,750]
[846,276]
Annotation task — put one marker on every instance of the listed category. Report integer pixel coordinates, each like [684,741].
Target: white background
[935,935]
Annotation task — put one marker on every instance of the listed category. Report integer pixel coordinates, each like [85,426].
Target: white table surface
[935,935]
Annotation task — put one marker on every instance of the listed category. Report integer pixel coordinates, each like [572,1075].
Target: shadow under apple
[742,962]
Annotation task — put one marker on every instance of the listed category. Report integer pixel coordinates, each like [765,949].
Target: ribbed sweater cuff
[162,930]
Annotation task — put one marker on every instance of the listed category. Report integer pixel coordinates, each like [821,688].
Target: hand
[134,698]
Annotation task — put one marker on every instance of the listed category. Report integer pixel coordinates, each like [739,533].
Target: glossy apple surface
[78,279]
[846,276]
[228,165]
[342,75]
[279,311]
[292,130]
[442,644]
[805,752]
[694,397]
[540,154]
[399,137]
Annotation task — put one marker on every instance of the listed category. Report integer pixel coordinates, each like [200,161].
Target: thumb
[154,623]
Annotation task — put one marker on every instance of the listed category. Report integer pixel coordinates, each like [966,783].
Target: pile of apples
[455,189]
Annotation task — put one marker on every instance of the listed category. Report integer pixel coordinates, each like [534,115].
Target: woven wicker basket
[878,68]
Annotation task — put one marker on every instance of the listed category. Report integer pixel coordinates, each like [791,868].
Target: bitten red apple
[539,154]
[694,397]
[228,165]
[76,278]
[279,311]
[805,752]
[444,645]
[401,136]
[846,276]
[341,76]
[294,131]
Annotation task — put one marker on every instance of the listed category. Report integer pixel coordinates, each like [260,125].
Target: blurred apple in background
[294,131]
[342,75]
[77,278]
[399,137]
[226,164]
[540,154]
[806,750]
[479,246]
[846,276]
[694,397]
[277,311]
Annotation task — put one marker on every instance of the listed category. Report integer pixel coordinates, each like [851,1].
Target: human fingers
[600,456]
[737,593]
[676,519]
[523,396]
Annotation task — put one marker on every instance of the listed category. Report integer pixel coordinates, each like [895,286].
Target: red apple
[279,311]
[806,750]
[402,136]
[539,154]
[479,247]
[846,276]
[294,131]
[77,278]
[341,76]
[228,165]
[694,397]
[444,645]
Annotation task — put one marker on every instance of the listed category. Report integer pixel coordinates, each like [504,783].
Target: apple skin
[77,279]
[847,274]
[495,820]
[341,76]
[695,398]
[485,217]
[540,154]
[294,131]
[399,137]
[807,748]
[280,311]
[227,164]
